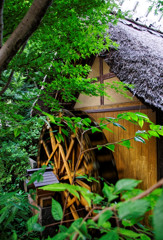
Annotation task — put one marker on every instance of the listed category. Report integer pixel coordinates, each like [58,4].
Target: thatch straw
[138,60]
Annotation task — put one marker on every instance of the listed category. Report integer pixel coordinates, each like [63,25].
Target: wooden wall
[140,161]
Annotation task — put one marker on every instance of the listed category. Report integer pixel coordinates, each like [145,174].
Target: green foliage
[13,162]
[14,213]
[104,217]
[157,5]
[16,150]
[53,65]
[133,210]
[128,214]
[126,184]
[38,175]
[158,218]
[32,224]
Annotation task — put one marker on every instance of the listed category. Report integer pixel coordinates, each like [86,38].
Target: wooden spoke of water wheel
[68,160]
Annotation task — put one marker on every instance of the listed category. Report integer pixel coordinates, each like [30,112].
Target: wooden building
[138,61]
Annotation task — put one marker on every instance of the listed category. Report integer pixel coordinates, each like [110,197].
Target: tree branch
[1,22]
[25,29]
[113,208]
[140,196]
[8,83]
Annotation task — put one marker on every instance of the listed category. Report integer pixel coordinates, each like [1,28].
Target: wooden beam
[106,76]
[141,107]
[101,80]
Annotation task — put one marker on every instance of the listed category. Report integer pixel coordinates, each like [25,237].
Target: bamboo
[81,171]
[68,153]
[52,138]
[65,141]
[70,202]
[83,184]
[81,157]
[46,149]
[65,163]
[55,148]
[72,208]
[73,160]
[84,203]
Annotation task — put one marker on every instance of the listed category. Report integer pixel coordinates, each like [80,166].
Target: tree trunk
[1,22]
[24,30]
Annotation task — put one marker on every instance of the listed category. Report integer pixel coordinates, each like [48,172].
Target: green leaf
[139,139]
[128,223]
[99,147]
[4,213]
[57,187]
[17,132]
[95,129]
[141,122]
[86,122]
[97,199]
[105,226]
[144,237]
[160,132]
[57,211]
[60,236]
[83,229]
[38,228]
[31,222]
[63,228]
[155,127]
[133,209]
[158,219]
[112,235]
[129,233]
[153,133]
[126,184]
[91,224]
[65,132]
[142,116]
[106,128]
[104,217]
[125,143]
[109,192]
[133,116]
[75,225]
[119,125]
[127,195]
[110,147]
[14,236]
[73,192]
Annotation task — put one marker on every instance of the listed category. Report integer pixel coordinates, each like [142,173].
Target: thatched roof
[138,60]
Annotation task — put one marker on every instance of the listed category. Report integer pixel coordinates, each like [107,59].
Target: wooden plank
[45,201]
[139,162]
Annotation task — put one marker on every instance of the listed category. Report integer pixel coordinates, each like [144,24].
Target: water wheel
[66,157]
